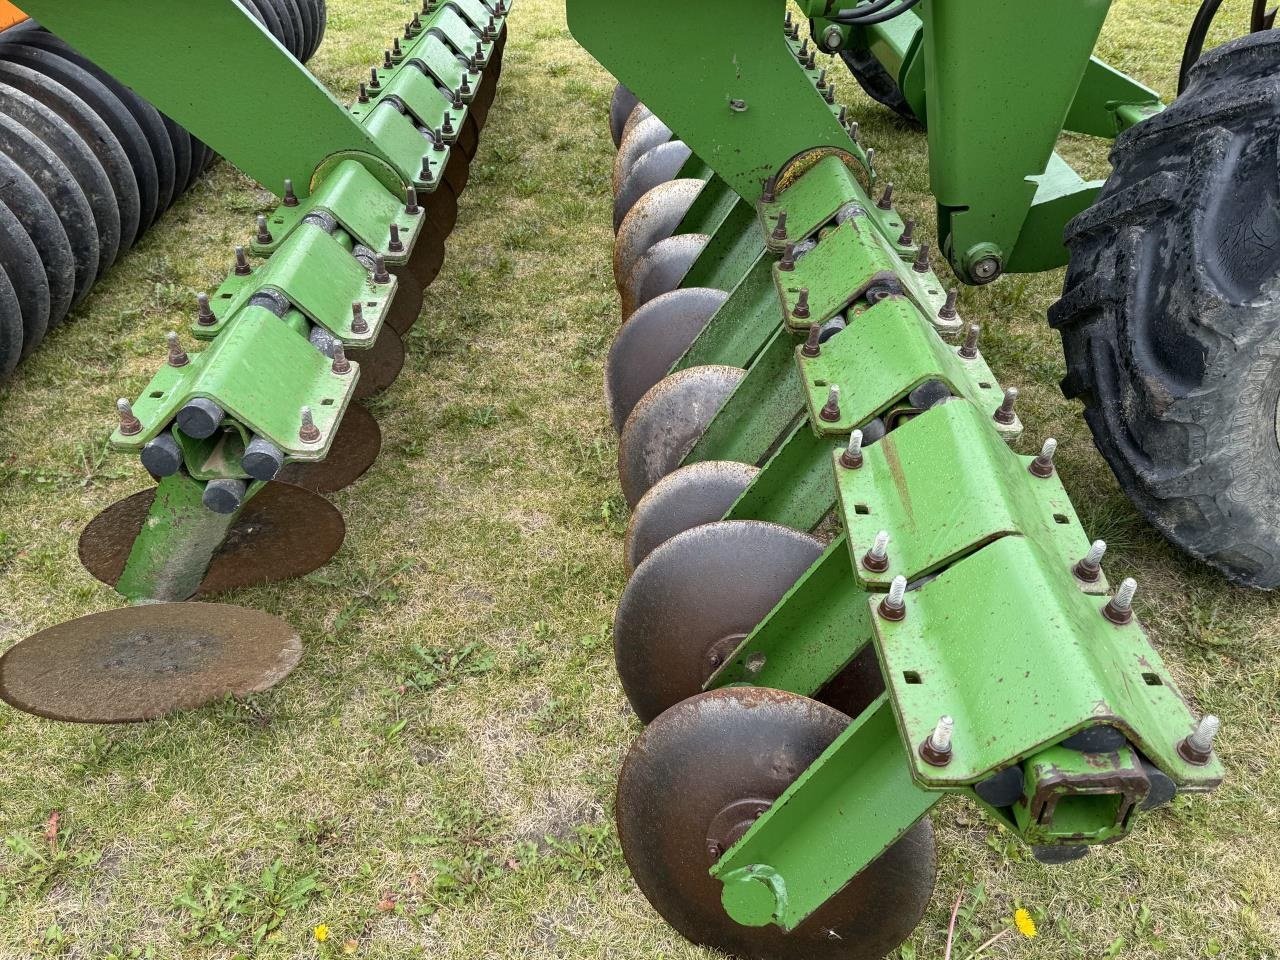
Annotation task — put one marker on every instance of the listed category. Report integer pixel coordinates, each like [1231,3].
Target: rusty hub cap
[139,663]
[282,533]
[697,596]
[695,781]
[353,451]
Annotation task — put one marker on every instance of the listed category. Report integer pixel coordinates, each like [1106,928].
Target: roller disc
[667,422]
[140,663]
[638,114]
[321,21]
[311,28]
[654,217]
[353,451]
[406,306]
[694,599]
[664,162]
[380,364]
[691,496]
[282,533]
[698,776]
[660,270]
[620,107]
[640,139]
[652,339]
[96,134]
[287,26]
[427,257]
[20,260]
[201,157]
[37,216]
[69,203]
[10,326]
[180,141]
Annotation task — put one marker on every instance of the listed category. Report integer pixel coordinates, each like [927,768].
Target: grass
[436,778]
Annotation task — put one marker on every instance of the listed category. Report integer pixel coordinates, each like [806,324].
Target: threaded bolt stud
[851,458]
[886,199]
[1119,609]
[308,432]
[380,274]
[358,323]
[129,424]
[855,130]
[812,348]
[242,267]
[1042,466]
[264,232]
[373,79]
[341,365]
[204,313]
[877,558]
[363,95]
[788,261]
[411,202]
[770,192]
[801,310]
[969,349]
[290,198]
[1197,748]
[1089,568]
[936,749]
[177,356]
[780,229]
[1004,413]
[922,259]
[831,411]
[894,605]
[395,244]
[948,311]
[908,235]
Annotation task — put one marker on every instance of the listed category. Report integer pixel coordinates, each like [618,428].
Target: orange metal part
[9,15]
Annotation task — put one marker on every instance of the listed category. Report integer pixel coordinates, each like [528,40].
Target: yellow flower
[321,932]
[1023,921]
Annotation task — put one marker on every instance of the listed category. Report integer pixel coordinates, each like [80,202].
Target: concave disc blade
[143,662]
[352,453]
[380,364]
[642,138]
[694,599]
[282,533]
[660,164]
[654,217]
[406,305]
[620,107]
[427,257]
[660,270]
[738,750]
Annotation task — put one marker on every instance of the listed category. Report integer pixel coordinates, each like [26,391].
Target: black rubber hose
[867,16]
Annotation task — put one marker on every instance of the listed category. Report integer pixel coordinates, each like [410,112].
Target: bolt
[204,313]
[1090,566]
[831,412]
[341,365]
[851,458]
[373,79]
[1042,466]
[843,118]
[804,49]
[264,232]
[813,58]
[769,194]
[801,310]
[290,198]
[446,127]
[358,323]
[886,199]
[812,348]
[411,202]
[395,244]
[854,130]
[780,228]
[922,259]
[949,312]
[177,356]
[822,79]
[408,30]
[1119,609]
[969,349]
[380,274]
[416,23]
[832,38]
[1004,413]
[738,106]
[986,269]
[308,432]
[936,749]
[877,558]
[1197,748]
[129,424]
[829,94]
[714,850]
[870,154]
[242,268]
[363,96]
[786,20]
[386,60]
[788,261]
[464,87]
[908,235]
[894,605]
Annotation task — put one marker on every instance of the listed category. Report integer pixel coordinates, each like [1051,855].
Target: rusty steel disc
[380,364]
[282,533]
[691,787]
[352,453]
[654,217]
[694,599]
[661,269]
[621,104]
[140,663]
[424,263]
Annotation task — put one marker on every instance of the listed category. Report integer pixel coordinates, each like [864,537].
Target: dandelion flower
[1022,919]
[321,933]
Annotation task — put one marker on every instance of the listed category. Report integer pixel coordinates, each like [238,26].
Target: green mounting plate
[406,145]
[262,374]
[944,485]
[320,277]
[1005,644]
[360,203]
[882,356]
[812,200]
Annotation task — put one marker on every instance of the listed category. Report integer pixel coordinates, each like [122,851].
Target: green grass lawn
[436,778]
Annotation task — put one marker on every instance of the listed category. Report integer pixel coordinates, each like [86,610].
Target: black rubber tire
[1169,314]
[877,83]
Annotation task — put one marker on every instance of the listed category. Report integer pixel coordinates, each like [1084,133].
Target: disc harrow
[848,595]
[88,166]
[255,411]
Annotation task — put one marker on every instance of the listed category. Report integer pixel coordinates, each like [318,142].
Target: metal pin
[358,323]
[129,424]
[801,310]
[1042,466]
[936,749]
[177,356]
[870,154]
[851,458]
[395,244]
[1119,609]
[204,313]
[769,194]
[264,232]
[908,235]
[341,365]
[894,605]
[831,412]
[308,432]
[1004,413]
[886,199]
[948,312]
[877,558]
[854,130]
[812,347]
[788,261]
[242,268]
[290,198]
[1090,566]
[380,274]
[1197,748]
[780,228]
[363,96]
[922,259]
[411,202]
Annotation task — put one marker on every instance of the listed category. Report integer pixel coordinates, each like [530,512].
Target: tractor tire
[877,83]
[1170,315]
